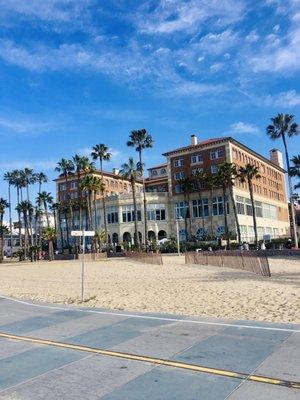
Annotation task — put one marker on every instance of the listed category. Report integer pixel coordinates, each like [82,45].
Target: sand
[173,288]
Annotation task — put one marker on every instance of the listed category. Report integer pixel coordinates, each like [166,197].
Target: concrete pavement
[38,371]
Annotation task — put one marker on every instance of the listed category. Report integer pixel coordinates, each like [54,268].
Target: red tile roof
[199,144]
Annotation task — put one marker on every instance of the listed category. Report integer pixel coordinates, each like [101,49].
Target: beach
[173,288]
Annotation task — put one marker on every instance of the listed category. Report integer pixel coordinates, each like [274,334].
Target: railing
[253,261]
[93,256]
[147,258]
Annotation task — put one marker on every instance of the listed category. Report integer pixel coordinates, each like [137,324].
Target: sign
[82,233]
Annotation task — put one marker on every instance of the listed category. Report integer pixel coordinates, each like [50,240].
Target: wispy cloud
[35,164]
[243,128]
[24,125]
[283,99]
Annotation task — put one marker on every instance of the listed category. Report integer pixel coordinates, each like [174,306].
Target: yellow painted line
[156,361]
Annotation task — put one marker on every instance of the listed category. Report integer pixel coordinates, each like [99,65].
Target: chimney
[194,140]
[276,157]
[116,171]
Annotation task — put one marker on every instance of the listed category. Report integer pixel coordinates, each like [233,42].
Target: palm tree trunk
[189,215]
[30,220]
[67,214]
[104,204]
[238,228]
[26,233]
[145,203]
[10,220]
[185,219]
[47,214]
[293,227]
[60,229]
[1,247]
[253,211]
[225,216]
[19,224]
[211,212]
[137,237]
[95,211]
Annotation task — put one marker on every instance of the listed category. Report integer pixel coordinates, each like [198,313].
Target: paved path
[206,359]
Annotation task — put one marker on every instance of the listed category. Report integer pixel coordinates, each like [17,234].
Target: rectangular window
[179,175]
[62,187]
[214,169]
[200,208]
[179,162]
[240,205]
[112,215]
[248,207]
[178,189]
[128,214]
[156,212]
[218,206]
[181,210]
[74,185]
[196,171]
[258,209]
[196,158]
[218,153]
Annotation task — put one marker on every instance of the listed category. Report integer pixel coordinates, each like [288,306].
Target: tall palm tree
[101,152]
[40,178]
[132,171]
[227,174]
[17,182]
[200,179]
[66,168]
[49,235]
[141,140]
[4,204]
[29,178]
[247,174]
[25,207]
[46,199]
[187,188]
[81,163]
[212,183]
[3,232]
[9,178]
[283,126]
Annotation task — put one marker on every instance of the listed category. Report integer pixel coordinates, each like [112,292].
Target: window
[258,209]
[218,153]
[112,215]
[62,187]
[214,169]
[196,158]
[200,208]
[154,172]
[179,162]
[244,234]
[181,210]
[260,232]
[179,175]
[156,212]
[220,230]
[74,185]
[240,205]
[73,195]
[178,189]
[196,171]
[249,207]
[163,171]
[218,206]
[128,214]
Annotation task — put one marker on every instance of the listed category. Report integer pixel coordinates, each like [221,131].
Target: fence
[147,258]
[93,256]
[253,261]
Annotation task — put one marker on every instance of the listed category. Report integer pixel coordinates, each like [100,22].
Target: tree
[3,206]
[3,232]
[26,208]
[81,163]
[247,174]
[101,152]
[91,185]
[200,179]
[187,187]
[141,140]
[46,199]
[283,126]
[66,168]
[18,183]
[132,172]
[212,183]
[40,178]
[227,174]
[295,169]
[49,235]
[9,178]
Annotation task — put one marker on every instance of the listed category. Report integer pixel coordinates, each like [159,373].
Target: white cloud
[241,128]
[252,37]
[179,15]
[284,99]
[216,67]
[36,164]
[217,43]
[23,125]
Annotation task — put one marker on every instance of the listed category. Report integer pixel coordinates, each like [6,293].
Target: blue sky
[74,73]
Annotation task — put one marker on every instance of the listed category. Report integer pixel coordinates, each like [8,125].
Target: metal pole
[177,231]
[82,265]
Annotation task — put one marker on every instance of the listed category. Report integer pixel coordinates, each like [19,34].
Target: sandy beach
[173,288]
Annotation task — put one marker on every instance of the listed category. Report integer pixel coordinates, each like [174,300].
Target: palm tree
[141,140]
[247,174]
[212,183]
[29,178]
[81,163]
[101,152]
[26,208]
[295,169]
[49,235]
[9,178]
[3,232]
[200,180]
[227,174]
[46,199]
[187,187]
[40,178]
[17,182]
[3,206]
[283,125]
[132,172]
[65,168]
